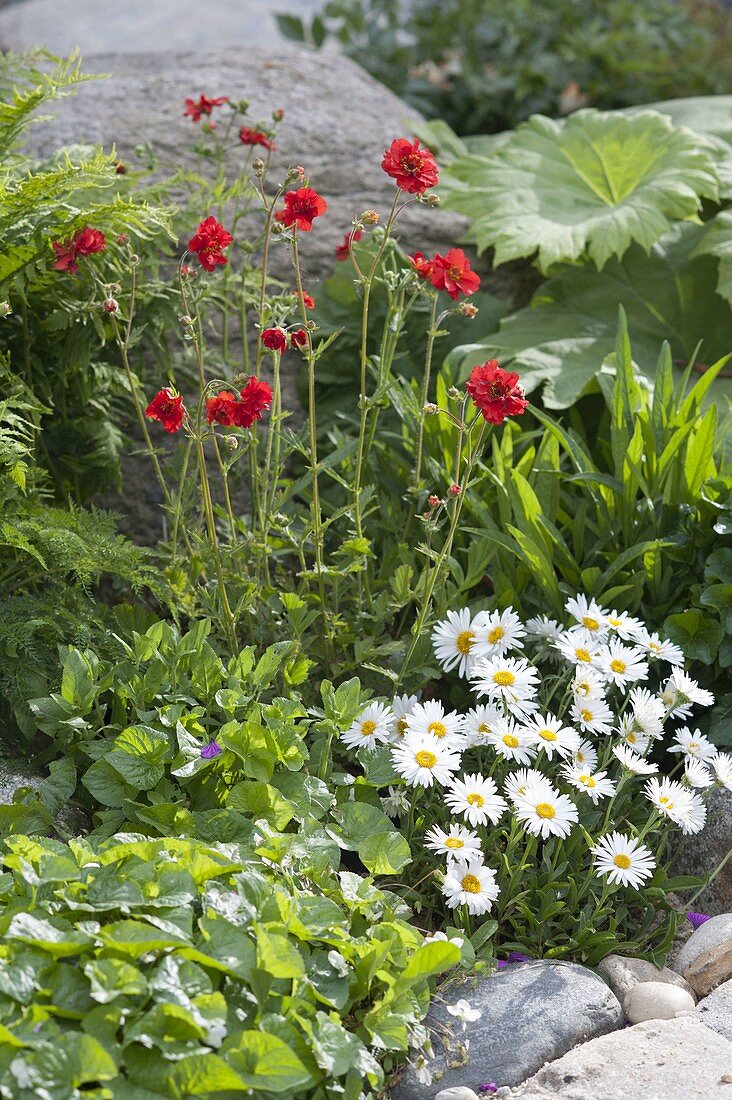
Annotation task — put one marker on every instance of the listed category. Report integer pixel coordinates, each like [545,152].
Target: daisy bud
[370,217]
[430,408]
[110,305]
[467,309]
[454,490]
[434,501]
[5,309]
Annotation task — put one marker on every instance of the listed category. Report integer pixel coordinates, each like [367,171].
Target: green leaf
[697,634]
[429,959]
[593,184]
[266,1063]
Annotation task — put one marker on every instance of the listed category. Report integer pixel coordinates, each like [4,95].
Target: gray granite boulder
[16,774]
[706,937]
[531,1013]
[658,1060]
[701,853]
[715,1011]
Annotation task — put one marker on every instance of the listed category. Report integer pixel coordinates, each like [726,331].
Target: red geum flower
[204,105]
[421,264]
[255,398]
[274,338]
[248,136]
[307,300]
[343,250]
[167,407]
[495,392]
[301,207]
[220,409]
[65,257]
[209,242]
[83,243]
[412,166]
[299,337]
[452,274]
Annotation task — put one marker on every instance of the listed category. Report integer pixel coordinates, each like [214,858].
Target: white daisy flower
[511,679]
[722,764]
[476,797]
[443,938]
[545,812]
[542,631]
[631,735]
[696,774]
[633,762]
[648,712]
[673,800]
[516,783]
[422,1071]
[660,648]
[588,615]
[454,640]
[622,664]
[370,728]
[423,760]
[395,802]
[681,692]
[697,817]
[498,632]
[693,743]
[432,718]
[624,860]
[592,715]
[624,625]
[479,722]
[595,784]
[577,646]
[401,706]
[463,1011]
[551,735]
[458,842]
[512,741]
[585,756]
[588,684]
[470,883]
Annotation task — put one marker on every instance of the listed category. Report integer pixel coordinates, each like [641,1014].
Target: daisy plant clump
[544,808]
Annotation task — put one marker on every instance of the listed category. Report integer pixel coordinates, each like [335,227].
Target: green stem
[425,391]
[227,616]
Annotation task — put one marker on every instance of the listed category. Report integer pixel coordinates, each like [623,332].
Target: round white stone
[656,1001]
[458,1092]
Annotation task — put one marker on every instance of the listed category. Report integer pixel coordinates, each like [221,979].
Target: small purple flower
[696,920]
[213,748]
[513,957]
[488,1089]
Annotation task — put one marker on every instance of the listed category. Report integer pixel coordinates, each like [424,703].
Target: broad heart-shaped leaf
[565,335]
[710,117]
[590,185]
[717,241]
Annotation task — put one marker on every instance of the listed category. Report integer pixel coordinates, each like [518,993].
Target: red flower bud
[299,337]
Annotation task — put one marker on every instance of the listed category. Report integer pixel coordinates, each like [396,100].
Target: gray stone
[530,1013]
[710,969]
[656,1001]
[623,973]
[709,935]
[702,853]
[16,774]
[657,1060]
[164,24]
[715,1011]
[460,1092]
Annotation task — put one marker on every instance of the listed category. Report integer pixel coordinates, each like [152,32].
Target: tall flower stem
[227,616]
[271,464]
[431,332]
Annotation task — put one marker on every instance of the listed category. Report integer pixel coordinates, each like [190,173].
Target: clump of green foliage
[484,66]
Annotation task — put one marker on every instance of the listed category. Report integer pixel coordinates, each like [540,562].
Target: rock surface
[701,853]
[715,1011]
[623,974]
[708,935]
[15,774]
[458,1093]
[710,969]
[659,1060]
[531,1013]
[656,1001]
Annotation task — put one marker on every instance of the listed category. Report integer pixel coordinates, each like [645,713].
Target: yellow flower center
[504,678]
[496,634]
[622,861]
[483,728]
[586,715]
[454,842]
[470,884]
[475,799]
[615,622]
[583,655]
[464,642]
[546,811]
[617,665]
[631,737]
[579,757]
[666,801]
[547,735]
[654,646]
[587,780]
[426,759]
[590,623]
[437,729]
[367,728]
[402,726]
[510,740]
[693,746]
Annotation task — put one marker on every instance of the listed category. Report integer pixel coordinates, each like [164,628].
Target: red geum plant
[496,392]
[274,338]
[301,208]
[452,273]
[307,300]
[84,243]
[168,408]
[204,105]
[421,264]
[247,136]
[221,408]
[342,251]
[254,399]
[209,242]
[412,167]
[299,337]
